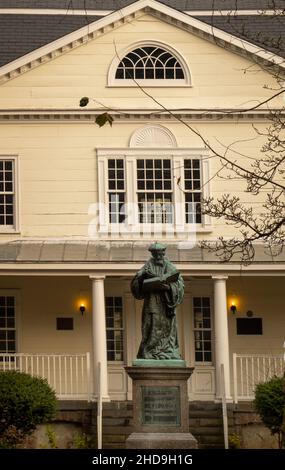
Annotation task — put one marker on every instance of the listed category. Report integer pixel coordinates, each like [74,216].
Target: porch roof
[90,251]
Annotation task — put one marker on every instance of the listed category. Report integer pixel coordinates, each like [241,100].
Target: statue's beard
[158,262]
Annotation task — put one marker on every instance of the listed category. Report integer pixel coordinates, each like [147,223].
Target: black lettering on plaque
[160,406]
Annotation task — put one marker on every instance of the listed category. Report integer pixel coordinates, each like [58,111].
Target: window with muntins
[116,190]
[114,328]
[150,63]
[7,193]
[193,190]
[7,324]
[154,190]
[202,329]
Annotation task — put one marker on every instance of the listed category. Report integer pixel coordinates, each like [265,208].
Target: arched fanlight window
[152,63]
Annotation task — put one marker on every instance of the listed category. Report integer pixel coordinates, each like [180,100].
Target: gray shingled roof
[116,4]
[34,32]
[265,31]
[94,251]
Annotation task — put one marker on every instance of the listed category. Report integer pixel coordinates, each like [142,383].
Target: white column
[99,335]
[221,335]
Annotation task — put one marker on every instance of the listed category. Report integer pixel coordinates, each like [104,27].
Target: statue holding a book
[161,286]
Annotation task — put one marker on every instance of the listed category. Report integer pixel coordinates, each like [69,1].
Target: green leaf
[84,101]
[102,119]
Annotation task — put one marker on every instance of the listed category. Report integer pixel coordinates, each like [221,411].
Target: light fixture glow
[82,308]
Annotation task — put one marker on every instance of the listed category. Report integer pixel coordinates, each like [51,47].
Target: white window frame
[123,329]
[201,363]
[15,227]
[177,156]
[115,82]
[16,294]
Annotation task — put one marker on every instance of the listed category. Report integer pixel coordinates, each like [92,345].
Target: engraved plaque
[160,406]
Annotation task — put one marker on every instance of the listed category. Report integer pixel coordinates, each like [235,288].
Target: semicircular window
[149,63]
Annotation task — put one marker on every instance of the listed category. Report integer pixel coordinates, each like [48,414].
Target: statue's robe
[159,324]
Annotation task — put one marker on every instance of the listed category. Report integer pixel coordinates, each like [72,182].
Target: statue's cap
[157,247]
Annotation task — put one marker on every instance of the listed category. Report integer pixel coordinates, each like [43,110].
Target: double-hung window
[193,190]
[202,329]
[153,188]
[116,189]
[8,216]
[114,328]
[7,324]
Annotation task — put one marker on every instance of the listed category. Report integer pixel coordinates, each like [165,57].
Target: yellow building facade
[63,244]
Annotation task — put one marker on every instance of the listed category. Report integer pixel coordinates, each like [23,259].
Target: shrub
[25,402]
[84,441]
[234,441]
[269,403]
[11,438]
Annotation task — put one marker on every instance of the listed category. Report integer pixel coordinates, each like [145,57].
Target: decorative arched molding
[112,81]
[152,136]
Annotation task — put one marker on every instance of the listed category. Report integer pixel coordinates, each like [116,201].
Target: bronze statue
[161,286]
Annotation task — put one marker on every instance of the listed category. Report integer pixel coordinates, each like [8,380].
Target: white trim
[18,316]
[235,12]
[134,115]
[177,156]
[78,12]
[53,11]
[139,137]
[129,268]
[127,14]
[206,189]
[208,295]
[115,82]
[105,151]
[16,228]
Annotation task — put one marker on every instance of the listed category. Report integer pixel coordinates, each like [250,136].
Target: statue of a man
[161,286]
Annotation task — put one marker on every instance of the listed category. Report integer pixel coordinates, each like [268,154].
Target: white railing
[67,374]
[249,370]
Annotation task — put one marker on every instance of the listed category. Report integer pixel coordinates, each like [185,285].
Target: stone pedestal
[160,402]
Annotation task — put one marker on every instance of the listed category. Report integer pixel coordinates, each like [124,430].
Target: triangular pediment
[127,14]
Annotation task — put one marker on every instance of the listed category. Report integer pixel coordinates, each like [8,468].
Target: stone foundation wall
[76,419]
[252,433]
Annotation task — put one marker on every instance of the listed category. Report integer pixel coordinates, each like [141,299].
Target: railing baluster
[235,377]
[88,376]
[32,365]
[249,370]
[65,375]
[252,374]
[54,371]
[76,375]
[60,377]
[82,369]
[48,369]
[71,375]
[241,376]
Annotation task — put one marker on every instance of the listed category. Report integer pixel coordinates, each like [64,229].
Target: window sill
[116,363]
[142,83]
[138,230]
[204,364]
[7,231]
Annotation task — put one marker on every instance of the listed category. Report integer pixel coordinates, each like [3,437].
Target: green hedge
[25,402]
[269,403]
